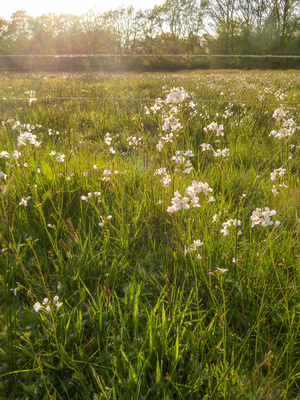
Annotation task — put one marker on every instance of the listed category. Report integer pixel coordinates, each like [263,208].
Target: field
[149,235]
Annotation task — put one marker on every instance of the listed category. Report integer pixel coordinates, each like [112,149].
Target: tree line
[189,27]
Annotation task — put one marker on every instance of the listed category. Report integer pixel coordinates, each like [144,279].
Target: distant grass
[142,316]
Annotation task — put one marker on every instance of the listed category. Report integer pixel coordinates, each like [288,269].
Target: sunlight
[69,7]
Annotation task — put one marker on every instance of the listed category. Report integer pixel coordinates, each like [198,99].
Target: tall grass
[147,310]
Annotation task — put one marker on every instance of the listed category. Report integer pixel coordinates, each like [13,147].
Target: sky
[37,7]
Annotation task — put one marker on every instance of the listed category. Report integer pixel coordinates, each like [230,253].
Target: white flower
[4,154]
[161,171]
[215,217]
[16,154]
[262,217]
[23,202]
[166,181]
[222,270]
[206,146]
[37,307]
[224,231]
[215,128]
[60,158]
[3,175]
[277,173]
[58,304]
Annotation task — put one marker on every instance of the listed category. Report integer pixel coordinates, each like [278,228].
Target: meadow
[149,235]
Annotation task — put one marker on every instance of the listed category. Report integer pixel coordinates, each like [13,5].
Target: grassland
[150,253]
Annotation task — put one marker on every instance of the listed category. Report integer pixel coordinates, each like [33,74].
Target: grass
[145,313]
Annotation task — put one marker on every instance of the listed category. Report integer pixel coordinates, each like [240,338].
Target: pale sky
[39,7]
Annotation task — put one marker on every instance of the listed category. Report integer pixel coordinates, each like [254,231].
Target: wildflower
[37,307]
[3,175]
[277,173]
[16,154]
[160,171]
[23,202]
[178,203]
[222,270]
[4,154]
[215,128]
[58,304]
[263,217]
[279,114]
[159,145]
[60,158]
[196,243]
[228,224]
[222,153]
[215,217]
[166,181]
[206,146]
[104,220]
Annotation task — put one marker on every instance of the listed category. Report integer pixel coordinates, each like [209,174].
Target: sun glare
[70,7]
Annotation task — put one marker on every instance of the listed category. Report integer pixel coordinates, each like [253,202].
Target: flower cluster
[214,128]
[170,109]
[28,137]
[228,224]
[193,248]
[91,195]
[279,114]
[166,179]
[288,126]
[177,95]
[59,157]
[46,305]
[262,216]
[178,203]
[206,147]
[107,174]
[4,154]
[222,153]
[277,173]
[228,113]
[108,140]
[275,188]
[104,220]
[191,195]
[135,142]
[180,159]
